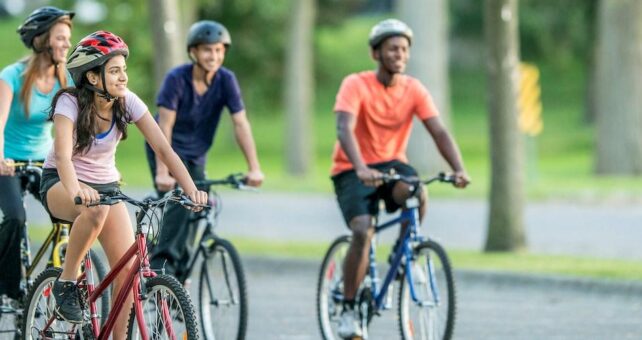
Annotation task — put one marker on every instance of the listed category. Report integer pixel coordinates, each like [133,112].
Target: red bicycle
[162,307]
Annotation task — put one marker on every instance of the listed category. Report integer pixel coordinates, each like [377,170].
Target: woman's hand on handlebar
[6,167]
[87,196]
[254,178]
[198,197]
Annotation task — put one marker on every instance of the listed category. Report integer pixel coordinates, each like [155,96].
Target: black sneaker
[67,304]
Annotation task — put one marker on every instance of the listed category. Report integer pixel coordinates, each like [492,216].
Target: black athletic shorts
[357,199]
[50,178]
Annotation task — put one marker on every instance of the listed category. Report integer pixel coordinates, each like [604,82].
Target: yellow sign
[529,102]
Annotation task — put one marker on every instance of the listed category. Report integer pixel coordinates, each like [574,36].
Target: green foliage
[559,32]
[259,32]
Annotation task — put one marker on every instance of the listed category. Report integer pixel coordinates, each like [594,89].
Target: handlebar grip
[77,200]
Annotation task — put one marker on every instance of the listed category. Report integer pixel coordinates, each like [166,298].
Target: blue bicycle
[426,297]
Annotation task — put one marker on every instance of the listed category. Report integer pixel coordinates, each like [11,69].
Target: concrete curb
[583,284]
[277,265]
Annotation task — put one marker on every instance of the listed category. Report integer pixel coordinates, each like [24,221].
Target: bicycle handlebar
[237,181]
[27,167]
[116,196]
[441,177]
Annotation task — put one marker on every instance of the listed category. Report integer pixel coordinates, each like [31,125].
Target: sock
[61,280]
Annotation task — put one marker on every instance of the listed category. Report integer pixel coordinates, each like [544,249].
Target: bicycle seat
[55,220]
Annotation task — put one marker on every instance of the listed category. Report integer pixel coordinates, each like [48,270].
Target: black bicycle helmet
[39,22]
[389,28]
[208,32]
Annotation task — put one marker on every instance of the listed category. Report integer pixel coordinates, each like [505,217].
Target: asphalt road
[490,306]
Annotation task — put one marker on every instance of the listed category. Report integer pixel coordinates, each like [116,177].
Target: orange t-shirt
[384,116]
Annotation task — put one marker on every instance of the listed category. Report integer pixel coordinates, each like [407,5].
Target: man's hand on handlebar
[461,179]
[370,177]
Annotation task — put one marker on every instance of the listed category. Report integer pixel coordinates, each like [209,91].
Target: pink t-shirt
[98,163]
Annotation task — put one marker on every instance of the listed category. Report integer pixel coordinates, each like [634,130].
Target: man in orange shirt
[374,111]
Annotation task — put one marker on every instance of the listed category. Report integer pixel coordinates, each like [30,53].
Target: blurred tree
[590,90]
[428,63]
[299,87]
[505,225]
[619,101]
[167,37]
[258,41]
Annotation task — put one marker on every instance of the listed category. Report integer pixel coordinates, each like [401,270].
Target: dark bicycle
[222,292]
[12,311]
[426,297]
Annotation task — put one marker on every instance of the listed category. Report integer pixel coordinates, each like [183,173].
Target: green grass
[462,259]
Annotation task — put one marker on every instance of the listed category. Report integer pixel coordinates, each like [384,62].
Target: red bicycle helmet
[94,50]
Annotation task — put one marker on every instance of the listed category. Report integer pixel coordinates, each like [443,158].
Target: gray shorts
[50,178]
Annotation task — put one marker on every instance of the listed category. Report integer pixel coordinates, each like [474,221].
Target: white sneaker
[349,324]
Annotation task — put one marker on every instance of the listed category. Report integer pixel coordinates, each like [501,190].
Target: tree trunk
[505,225]
[590,90]
[166,29]
[428,63]
[619,87]
[299,87]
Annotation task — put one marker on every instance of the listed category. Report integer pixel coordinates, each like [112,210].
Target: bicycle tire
[181,308]
[213,312]
[330,288]
[37,313]
[428,251]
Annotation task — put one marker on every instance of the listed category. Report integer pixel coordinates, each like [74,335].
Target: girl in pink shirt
[89,121]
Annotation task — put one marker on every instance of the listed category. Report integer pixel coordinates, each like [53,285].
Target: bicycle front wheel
[222,293]
[330,288]
[167,311]
[432,315]
[40,309]
[99,270]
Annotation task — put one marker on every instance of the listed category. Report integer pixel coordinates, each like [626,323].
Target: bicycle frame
[140,268]
[411,234]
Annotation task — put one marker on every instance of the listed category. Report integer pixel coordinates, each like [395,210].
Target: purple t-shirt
[98,163]
[197,116]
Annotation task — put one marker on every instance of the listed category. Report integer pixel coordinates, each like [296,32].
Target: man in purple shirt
[190,103]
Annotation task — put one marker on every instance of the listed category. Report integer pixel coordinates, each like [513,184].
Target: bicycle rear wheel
[222,293]
[330,288]
[39,310]
[433,315]
[167,311]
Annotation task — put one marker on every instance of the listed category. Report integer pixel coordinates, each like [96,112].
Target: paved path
[282,306]
[606,230]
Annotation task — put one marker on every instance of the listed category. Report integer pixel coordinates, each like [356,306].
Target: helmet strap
[101,92]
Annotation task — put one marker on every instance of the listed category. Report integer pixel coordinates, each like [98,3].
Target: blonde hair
[37,59]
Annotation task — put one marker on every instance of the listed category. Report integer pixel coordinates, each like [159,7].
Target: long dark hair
[87,121]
